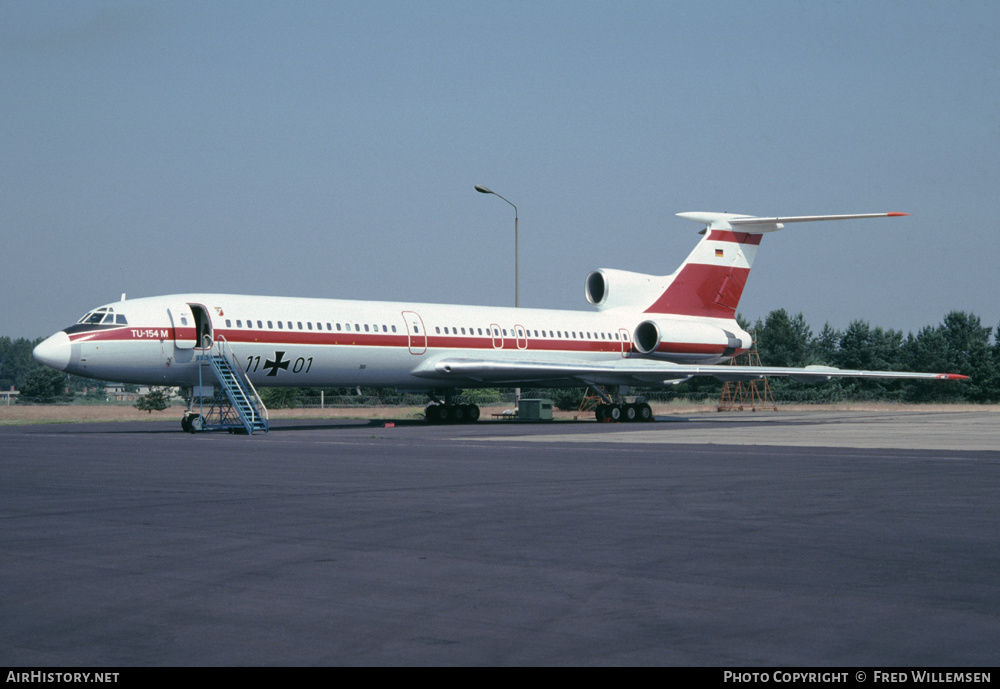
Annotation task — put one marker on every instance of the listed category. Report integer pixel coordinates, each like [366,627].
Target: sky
[331,149]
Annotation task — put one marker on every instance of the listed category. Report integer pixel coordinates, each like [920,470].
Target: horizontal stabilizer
[755,225]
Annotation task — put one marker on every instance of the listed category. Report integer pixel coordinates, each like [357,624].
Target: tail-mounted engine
[608,288]
[702,341]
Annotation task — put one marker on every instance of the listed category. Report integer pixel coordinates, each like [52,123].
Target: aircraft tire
[614,413]
[458,413]
[186,424]
[471,413]
[645,412]
[630,413]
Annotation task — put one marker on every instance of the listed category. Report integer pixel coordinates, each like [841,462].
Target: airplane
[647,330]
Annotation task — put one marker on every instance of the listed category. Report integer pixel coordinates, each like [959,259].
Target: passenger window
[366,327]
[239,323]
[229,324]
[280,324]
[270,325]
[260,324]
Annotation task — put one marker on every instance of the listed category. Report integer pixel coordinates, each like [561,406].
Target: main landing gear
[620,408]
[638,411]
[449,412]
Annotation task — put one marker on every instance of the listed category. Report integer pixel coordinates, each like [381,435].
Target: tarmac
[846,539]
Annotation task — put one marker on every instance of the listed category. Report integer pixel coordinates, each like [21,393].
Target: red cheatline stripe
[278,339]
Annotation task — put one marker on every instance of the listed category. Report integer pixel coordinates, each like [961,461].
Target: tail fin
[710,282]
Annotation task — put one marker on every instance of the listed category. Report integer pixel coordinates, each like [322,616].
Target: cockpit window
[103,315]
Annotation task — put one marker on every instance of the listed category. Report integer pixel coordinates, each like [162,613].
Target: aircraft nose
[54,352]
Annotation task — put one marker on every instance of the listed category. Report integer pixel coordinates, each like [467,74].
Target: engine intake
[646,337]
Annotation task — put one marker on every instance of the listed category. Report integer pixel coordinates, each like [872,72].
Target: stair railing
[227,353]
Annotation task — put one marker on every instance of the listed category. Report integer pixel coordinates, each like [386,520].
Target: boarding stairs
[234,405]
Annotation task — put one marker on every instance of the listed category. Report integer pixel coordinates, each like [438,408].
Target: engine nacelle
[608,288]
[690,340]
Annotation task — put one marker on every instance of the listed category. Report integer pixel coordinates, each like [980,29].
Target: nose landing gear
[192,423]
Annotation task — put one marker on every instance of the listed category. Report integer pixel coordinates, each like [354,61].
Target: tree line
[959,344]
[37,383]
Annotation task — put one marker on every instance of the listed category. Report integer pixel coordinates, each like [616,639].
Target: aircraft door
[626,344]
[182,322]
[522,338]
[496,335]
[416,334]
[203,326]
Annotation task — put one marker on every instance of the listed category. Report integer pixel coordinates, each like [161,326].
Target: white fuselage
[337,343]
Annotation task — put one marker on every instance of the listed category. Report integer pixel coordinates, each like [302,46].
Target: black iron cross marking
[276,364]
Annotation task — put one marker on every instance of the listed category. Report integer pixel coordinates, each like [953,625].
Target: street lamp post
[483,190]
[517,292]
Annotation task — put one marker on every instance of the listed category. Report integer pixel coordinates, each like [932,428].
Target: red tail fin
[710,281]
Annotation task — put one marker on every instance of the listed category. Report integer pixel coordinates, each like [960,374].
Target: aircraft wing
[461,371]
